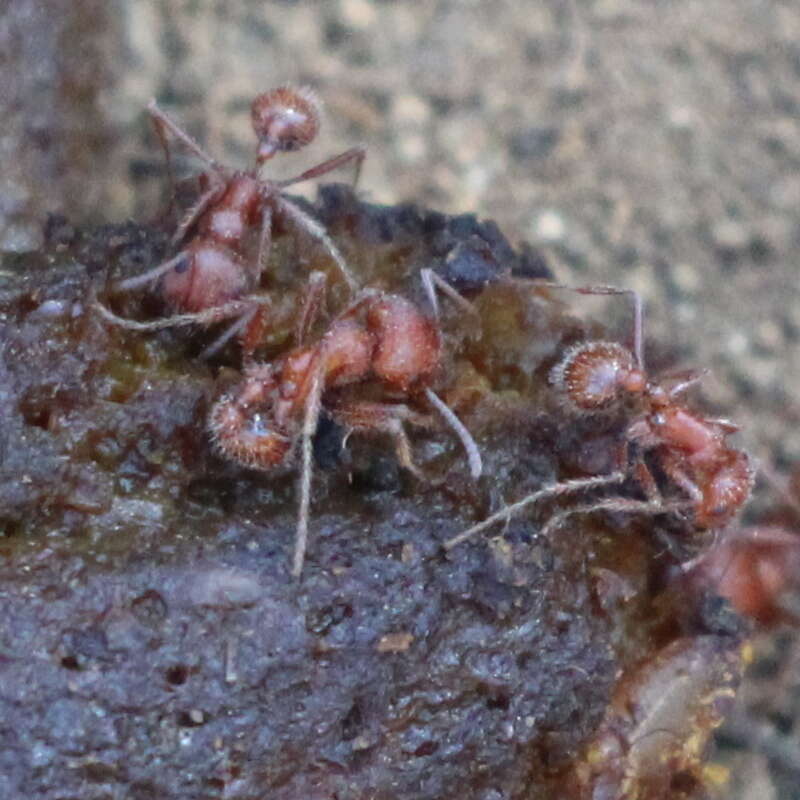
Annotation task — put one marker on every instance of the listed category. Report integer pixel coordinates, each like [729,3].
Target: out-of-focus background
[649,144]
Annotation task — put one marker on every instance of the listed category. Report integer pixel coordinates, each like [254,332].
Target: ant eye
[183,264]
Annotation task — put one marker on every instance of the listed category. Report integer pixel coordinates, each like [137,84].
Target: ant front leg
[431,281]
[383,418]
[313,298]
[264,241]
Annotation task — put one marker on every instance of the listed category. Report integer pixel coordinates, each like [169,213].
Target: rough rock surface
[153,643]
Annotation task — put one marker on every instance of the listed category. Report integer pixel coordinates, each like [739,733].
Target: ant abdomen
[595,376]
[285,119]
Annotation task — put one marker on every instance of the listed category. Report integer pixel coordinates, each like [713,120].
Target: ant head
[284,119]
[596,376]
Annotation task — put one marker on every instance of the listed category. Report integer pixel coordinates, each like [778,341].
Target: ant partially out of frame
[212,277]
[691,450]
[381,338]
[757,567]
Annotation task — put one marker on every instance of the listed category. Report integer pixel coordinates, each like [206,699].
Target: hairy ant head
[249,439]
[284,119]
[596,376]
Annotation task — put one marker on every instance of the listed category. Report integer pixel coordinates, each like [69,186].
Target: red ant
[754,567]
[211,278]
[380,337]
[596,377]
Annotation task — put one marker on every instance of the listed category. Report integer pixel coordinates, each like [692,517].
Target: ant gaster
[379,337]
[754,568]
[691,450]
[212,278]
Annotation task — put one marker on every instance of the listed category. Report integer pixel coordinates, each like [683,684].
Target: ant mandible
[379,336]
[211,278]
[692,451]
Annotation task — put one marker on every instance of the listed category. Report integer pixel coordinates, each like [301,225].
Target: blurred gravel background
[651,144]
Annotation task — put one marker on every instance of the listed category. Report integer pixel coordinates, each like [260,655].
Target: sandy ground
[650,145]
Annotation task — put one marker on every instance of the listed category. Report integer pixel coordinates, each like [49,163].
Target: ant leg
[314,229]
[638,311]
[253,334]
[674,471]
[725,424]
[473,454]
[651,507]
[203,203]
[553,490]
[255,316]
[151,274]
[164,120]
[685,379]
[312,302]
[383,418]
[158,125]
[431,282]
[355,154]
[402,448]
[364,297]
[264,241]
[310,420]
[206,317]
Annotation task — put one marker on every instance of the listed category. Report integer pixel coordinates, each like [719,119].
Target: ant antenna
[638,312]
[553,490]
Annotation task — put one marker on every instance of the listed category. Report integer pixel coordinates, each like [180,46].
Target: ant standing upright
[212,278]
[691,450]
[379,337]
